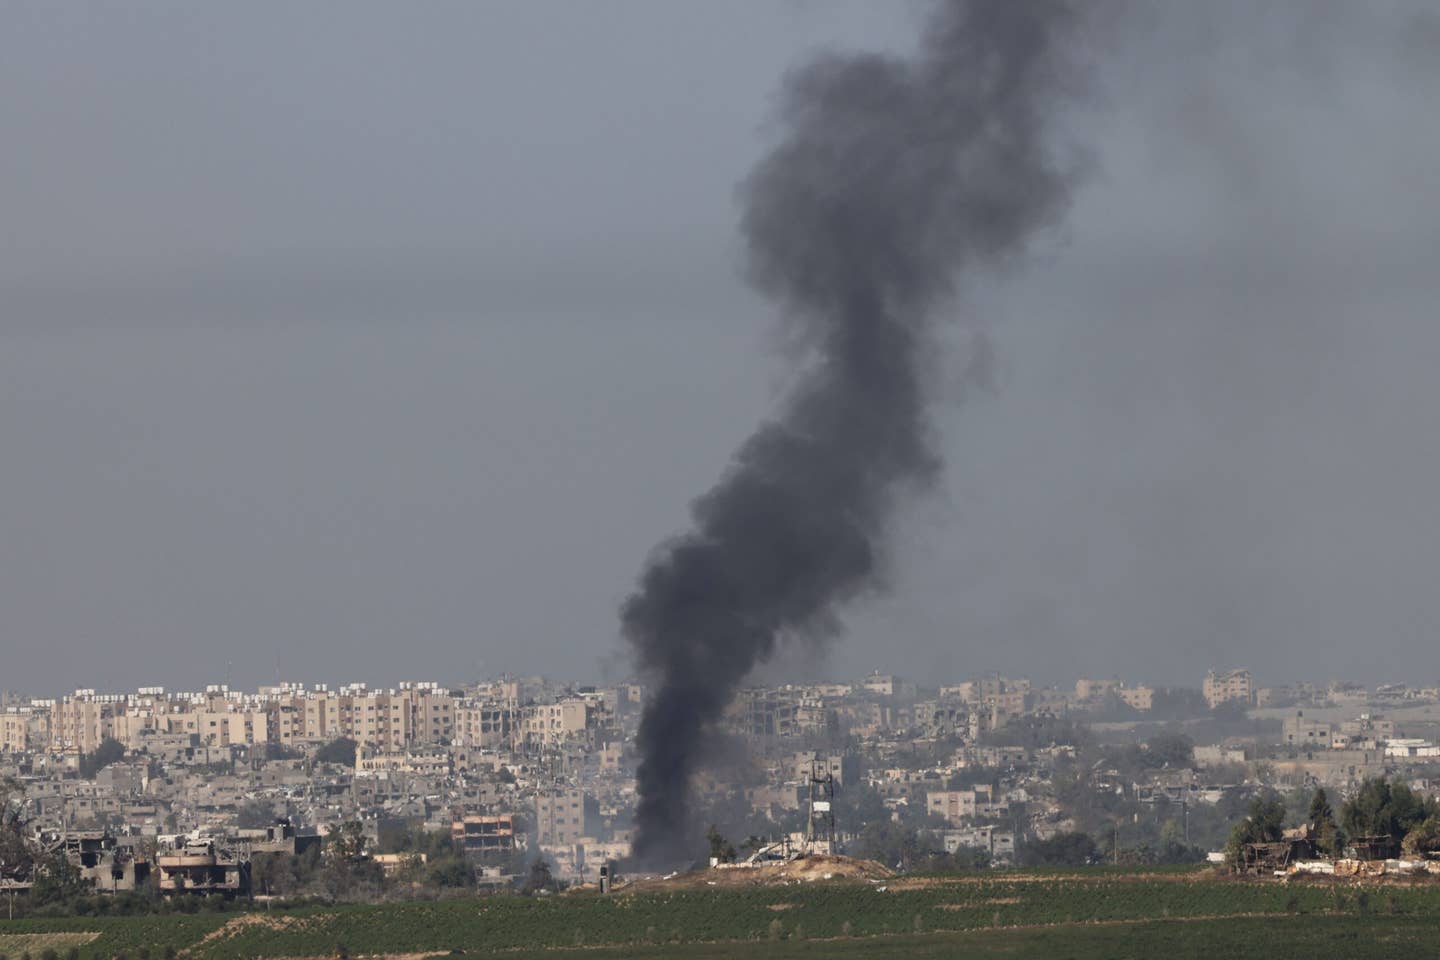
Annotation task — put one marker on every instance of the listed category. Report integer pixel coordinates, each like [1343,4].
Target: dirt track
[809,869]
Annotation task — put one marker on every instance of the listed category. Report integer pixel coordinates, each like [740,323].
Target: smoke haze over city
[348,342]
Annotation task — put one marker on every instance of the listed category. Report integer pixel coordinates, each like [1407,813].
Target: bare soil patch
[16,944]
[246,921]
[810,869]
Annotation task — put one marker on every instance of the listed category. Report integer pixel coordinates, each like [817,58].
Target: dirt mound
[241,923]
[805,869]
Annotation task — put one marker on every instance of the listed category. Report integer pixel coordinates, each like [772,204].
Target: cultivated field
[35,944]
[1080,915]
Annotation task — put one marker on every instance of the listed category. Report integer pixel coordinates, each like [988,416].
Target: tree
[539,878]
[1230,710]
[254,814]
[721,850]
[1320,810]
[266,872]
[895,845]
[1382,809]
[1178,703]
[1173,847]
[1173,750]
[1265,824]
[448,872]
[859,804]
[57,880]
[347,840]
[969,777]
[110,751]
[1064,849]
[1329,838]
[1423,839]
[17,857]
[964,858]
[341,751]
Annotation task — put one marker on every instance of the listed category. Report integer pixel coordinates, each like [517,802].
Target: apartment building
[390,719]
[887,685]
[808,763]
[984,689]
[551,724]
[565,816]
[1369,727]
[1140,698]
[956,806]
[482,835]
[14,731]
[1227,686]
[1300,731]
[486,723]
[83,720]
[764,713]
[1087,690]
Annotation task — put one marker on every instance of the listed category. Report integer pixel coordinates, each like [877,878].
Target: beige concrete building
[232,727]
[564,817]
[1369,727]
[1227,686]
[486,723]
[807,763]
[887,685]
[1140,698]
[551,724]
[415,713]
[14,731]
[1299,731]
[956,806]
[480,835]
[82,721]
[1087,689]
[428,761]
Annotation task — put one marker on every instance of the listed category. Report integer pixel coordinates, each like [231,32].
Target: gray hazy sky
[349,340]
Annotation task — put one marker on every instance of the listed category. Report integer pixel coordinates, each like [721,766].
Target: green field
[1078,915]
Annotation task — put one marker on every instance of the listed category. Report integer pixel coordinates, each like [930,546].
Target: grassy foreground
[1079,915]
[1284,939]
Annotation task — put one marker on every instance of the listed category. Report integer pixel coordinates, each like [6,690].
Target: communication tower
[820,827]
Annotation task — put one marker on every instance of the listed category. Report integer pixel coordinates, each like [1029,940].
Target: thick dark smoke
[893,176]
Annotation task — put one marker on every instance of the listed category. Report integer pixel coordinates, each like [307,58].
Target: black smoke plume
[893,176]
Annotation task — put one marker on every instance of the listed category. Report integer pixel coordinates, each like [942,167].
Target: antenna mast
[820,826]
